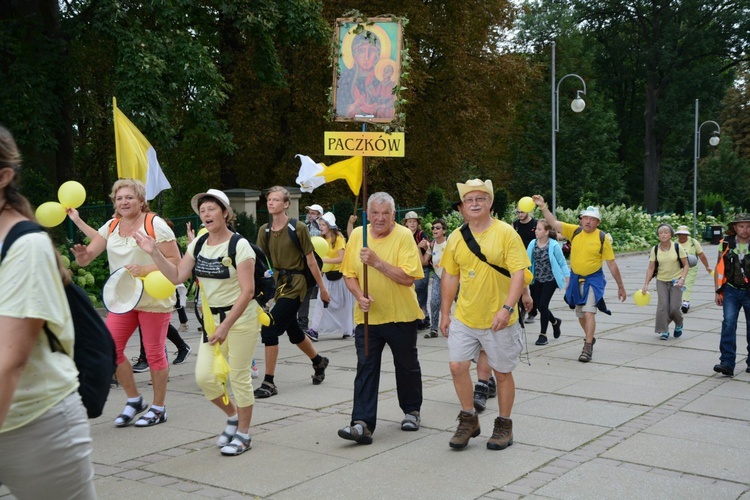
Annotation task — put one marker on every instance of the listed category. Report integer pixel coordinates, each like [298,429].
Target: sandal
[124,420]
[152,418]
[237,446]
[266,390]
[320,372]
[225,438]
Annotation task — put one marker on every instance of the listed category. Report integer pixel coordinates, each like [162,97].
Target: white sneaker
[183,328]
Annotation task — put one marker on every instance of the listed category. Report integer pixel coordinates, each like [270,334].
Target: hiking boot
[468,427]
[358,432]
[588,351]
[320,372]
[493,387]
[182,353]
[542,340]
[481,391]
[502,434]
[140,366]
[556,328]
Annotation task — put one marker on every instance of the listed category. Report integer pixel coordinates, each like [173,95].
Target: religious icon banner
[368,69]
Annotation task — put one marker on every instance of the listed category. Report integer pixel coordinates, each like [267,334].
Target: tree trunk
[651,168]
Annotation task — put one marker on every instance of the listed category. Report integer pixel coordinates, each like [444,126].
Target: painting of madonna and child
[368,69]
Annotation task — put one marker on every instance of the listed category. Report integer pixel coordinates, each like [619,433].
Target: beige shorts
[589,306]
[503,347]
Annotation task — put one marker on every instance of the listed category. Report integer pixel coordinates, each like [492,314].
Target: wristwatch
[508,308]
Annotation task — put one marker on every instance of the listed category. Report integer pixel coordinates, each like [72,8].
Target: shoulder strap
[232,250]
[18,230]
[199,244]
[148,224]
[471,242]
[236,237]
[112,226]
[292,229]
[602,235]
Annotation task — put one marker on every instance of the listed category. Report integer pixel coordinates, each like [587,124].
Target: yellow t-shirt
[222,292]
[32,288]
[483,289]
[123,251]
[585,258]
[669,268]
[333,252]
[393,303]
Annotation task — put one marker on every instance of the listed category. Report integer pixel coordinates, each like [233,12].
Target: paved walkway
[645,419]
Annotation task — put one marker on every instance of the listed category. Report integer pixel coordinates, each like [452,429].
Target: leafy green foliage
[435,201]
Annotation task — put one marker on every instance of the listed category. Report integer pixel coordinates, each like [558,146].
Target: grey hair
[381,198]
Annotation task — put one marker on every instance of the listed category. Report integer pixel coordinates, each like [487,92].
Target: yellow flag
[350,169]
[136,158]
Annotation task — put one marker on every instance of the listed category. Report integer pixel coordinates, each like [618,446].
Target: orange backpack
[148,225]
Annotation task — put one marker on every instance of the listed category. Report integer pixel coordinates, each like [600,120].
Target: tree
[652,48]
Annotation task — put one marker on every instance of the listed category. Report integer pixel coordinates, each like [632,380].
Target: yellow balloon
[640,299]
[327,267]
[263,317]
[201,232]
[158,286]
[321,245]
[71,194]
[526,204]
[50,214]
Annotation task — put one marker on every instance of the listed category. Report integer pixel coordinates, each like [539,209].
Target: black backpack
[292,229]
[265,285]
[94,349]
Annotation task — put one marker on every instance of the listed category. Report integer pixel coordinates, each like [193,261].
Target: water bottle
[268,273]
[674,283]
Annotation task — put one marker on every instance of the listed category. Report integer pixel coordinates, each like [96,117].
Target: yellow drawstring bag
[220,366]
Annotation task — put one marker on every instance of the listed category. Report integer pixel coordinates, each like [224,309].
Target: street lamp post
[576,105]
[713,141]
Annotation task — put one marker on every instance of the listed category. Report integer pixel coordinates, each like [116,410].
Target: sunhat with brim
[219,196]
[412,215]
[475,185]
[682,230]
[591,211]
[316,208]
[742,217]
[122,291]
[330,220]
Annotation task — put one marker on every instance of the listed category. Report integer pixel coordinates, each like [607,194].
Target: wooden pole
[364,243]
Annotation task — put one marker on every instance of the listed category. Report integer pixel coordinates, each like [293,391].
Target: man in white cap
[485,314]
[314,212]
[590,247]
[692,247]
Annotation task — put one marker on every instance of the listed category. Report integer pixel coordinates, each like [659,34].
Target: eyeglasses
[520,212]
[437,227]
[478,199]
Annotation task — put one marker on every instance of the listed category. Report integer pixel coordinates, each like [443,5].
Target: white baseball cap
[591,211]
